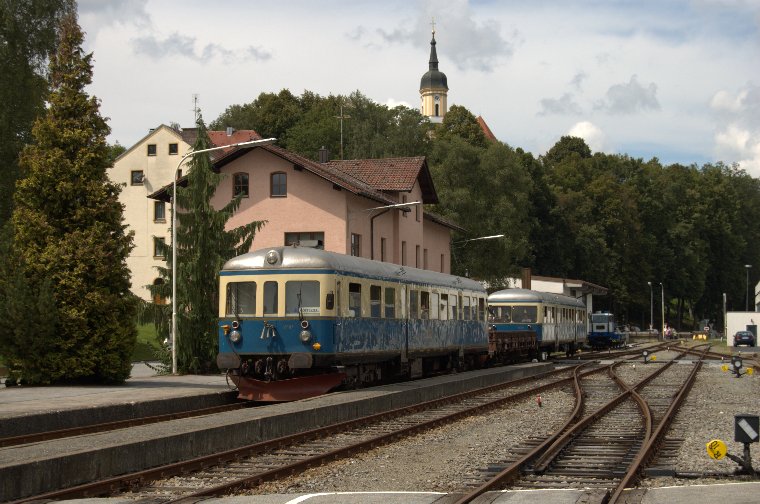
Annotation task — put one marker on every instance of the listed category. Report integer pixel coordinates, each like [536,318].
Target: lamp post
[651,306]
[249,143]
[663,310]
[746,299]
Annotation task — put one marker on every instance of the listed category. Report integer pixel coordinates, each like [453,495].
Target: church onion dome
[434,78]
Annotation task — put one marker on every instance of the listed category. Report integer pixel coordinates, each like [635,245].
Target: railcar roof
[531,296]
[310,258]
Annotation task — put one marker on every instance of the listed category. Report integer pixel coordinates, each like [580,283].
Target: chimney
[230,131]
[526,274]
[324,155]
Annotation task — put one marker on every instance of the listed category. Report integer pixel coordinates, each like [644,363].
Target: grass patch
[147,343]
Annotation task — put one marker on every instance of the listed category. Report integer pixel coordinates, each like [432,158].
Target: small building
[370,208]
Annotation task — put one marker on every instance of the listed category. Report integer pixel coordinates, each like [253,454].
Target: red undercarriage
[291,389]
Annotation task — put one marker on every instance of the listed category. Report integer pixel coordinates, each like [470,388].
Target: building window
[417,256]
[279,186]
[436,110]
[313,239]
[159,247]
[356,245]
[403,200]
[403,253]
[173,149]
[159,211]
[240,185]
[424,259]
[382,250]
[151,149]
[137,177]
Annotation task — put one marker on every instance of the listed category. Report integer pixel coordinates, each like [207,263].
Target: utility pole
[341,117]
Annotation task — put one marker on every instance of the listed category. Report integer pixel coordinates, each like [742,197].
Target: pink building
[341,206]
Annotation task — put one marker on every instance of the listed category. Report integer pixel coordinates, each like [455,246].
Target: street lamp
[651,307]
[465,242]
[663,310]
[249,143]
[746,299]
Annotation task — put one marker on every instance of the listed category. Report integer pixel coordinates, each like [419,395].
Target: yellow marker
[724,368]
[654,357]
[750,370]
[716,449]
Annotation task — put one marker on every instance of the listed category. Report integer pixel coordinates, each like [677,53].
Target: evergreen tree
[27,37]
[203,246]
[70,242]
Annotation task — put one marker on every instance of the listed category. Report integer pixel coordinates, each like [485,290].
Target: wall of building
[741,321]
[139,211]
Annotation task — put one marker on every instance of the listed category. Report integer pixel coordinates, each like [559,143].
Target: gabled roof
[391,174]
[486,130]
[152,132]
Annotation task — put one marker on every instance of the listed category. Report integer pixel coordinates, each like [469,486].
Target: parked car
[744,338]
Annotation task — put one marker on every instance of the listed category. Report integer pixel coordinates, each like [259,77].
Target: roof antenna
[196,112]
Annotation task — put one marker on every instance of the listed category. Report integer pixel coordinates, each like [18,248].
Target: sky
[674,80]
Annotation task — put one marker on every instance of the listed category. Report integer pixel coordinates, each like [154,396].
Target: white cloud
[565,105]
[629,98]
[743,145]
[594,137]
[724,102]
[391,103]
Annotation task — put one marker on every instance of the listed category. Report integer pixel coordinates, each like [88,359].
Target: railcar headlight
[305,336]
[235,336]
[272,257]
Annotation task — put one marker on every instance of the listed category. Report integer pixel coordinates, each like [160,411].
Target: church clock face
[437,98]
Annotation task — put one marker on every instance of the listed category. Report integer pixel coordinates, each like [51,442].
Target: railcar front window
[241,299]
[524,314]
[270,298]
[501,314]
[302,297]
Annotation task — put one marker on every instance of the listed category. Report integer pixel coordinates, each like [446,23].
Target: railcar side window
[270,298]
[302,297]
[390,302]
[481,309]
[241,299]
[354,300]
[414,305]
[453,307]
[424,305]
[434,306]
[466,308]
[374,301]
[444,306]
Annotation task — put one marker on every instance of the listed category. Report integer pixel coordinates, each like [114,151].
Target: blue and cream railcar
[296,322]
[604,332]
[558,322]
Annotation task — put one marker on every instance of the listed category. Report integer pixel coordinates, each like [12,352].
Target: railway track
[614,431]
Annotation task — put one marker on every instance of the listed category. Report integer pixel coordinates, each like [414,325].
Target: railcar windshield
[501,314]
[601,318]
[301,297]
[241,299]
[524,314]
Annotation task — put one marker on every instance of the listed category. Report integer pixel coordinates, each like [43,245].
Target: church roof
[433,78]
[486,130]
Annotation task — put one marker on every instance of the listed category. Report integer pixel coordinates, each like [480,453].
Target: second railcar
[604,331]
[296,322]
[557,322]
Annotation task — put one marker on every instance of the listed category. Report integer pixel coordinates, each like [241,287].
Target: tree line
[609,219]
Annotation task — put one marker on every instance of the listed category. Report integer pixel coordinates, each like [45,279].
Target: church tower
[433,88]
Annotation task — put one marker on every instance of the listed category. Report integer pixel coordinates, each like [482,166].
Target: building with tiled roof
[351,207]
